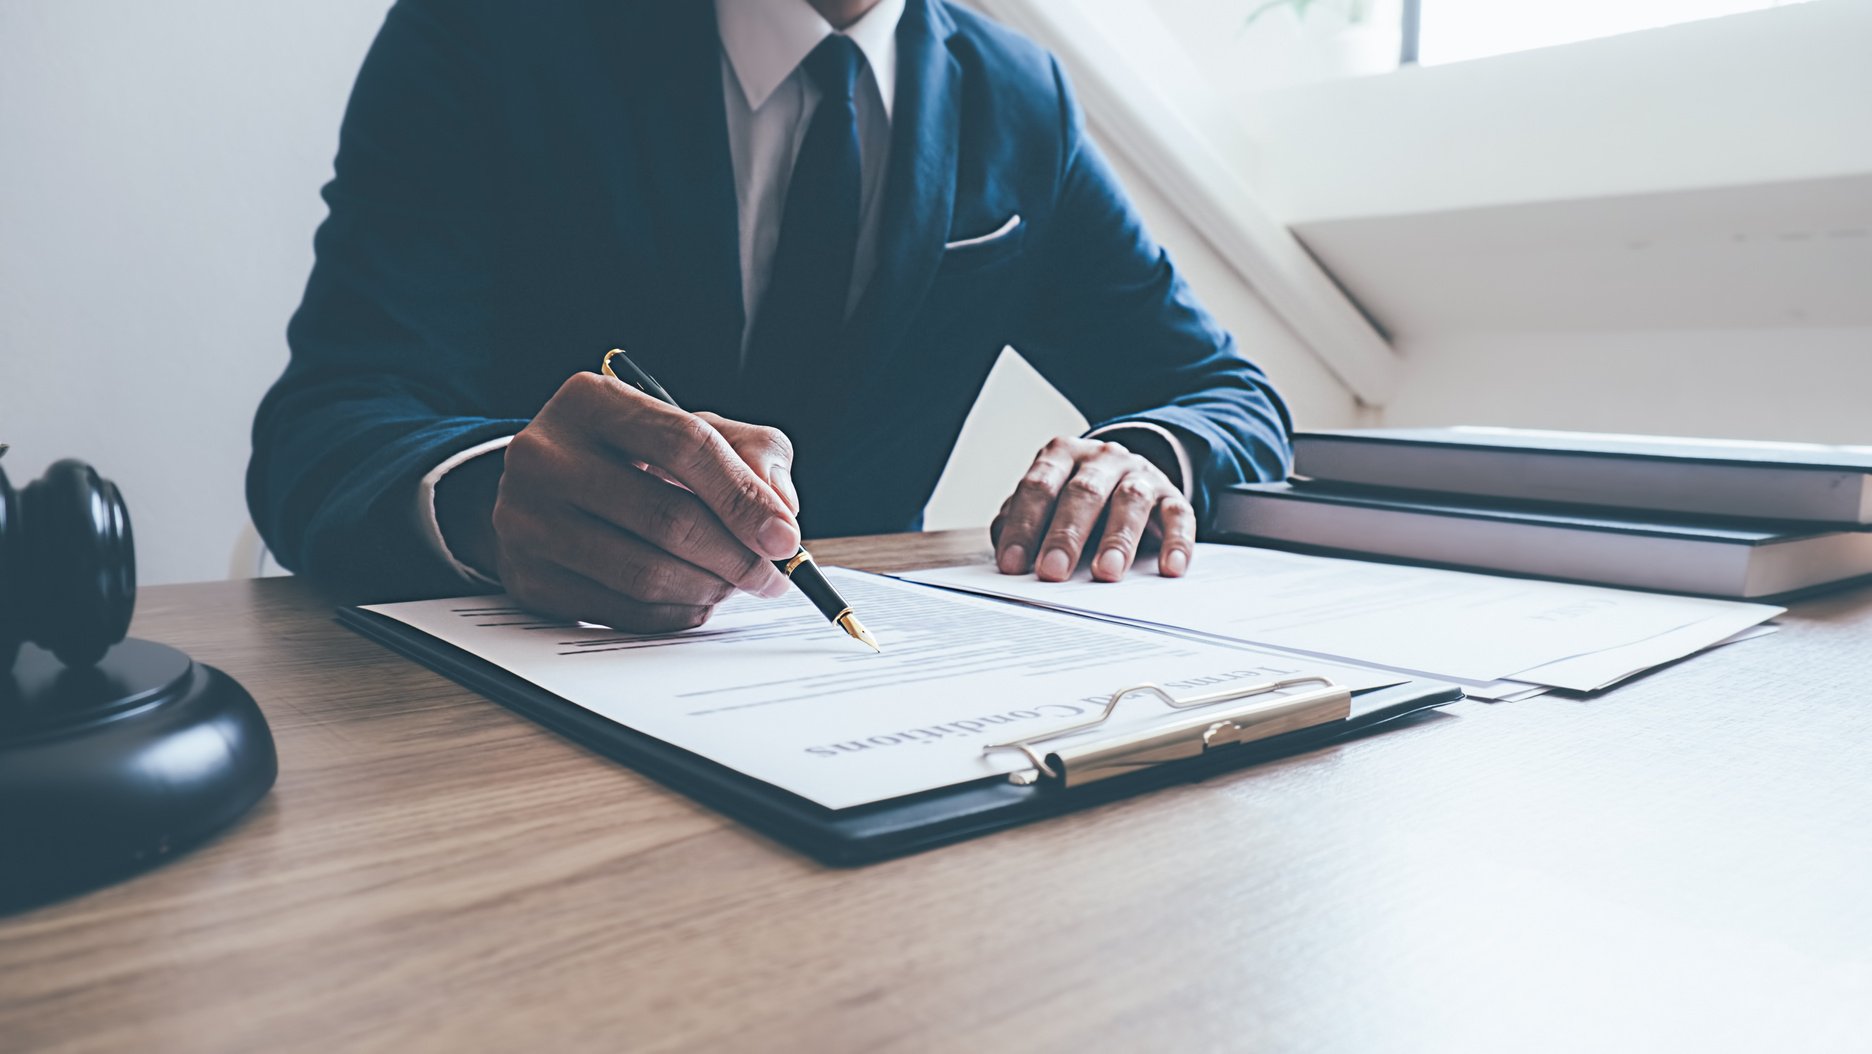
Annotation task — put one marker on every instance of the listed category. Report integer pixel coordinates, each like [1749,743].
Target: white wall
[1669,231]
[1256,46]
[157,205]
[1764,97]
[1766,256]
[1809,385]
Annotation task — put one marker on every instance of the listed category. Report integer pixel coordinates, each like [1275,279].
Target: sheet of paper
[1592,673]
[1487,690]
[767,687]
[1526,691]
[1456,624]
[1586,669]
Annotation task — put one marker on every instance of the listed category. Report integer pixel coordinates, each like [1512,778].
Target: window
[1454,30]
[1252,46]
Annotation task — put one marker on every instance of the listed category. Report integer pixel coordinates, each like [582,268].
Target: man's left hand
[1075,488]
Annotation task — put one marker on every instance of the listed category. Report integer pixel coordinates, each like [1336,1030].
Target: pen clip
[1073,764]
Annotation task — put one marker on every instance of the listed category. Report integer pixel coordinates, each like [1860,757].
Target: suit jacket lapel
[919,191]
[667,58]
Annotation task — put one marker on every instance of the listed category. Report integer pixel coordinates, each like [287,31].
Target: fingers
[766,450]
[615,508]
[1030,508]
[1126,518]
[631,568]
[1176,521]
[556,591]
[676,521]
[1073,487]
[995,525]
[1081,502]
[549,493]
[688,448]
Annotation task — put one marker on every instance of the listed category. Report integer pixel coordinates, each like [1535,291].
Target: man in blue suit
[816,221]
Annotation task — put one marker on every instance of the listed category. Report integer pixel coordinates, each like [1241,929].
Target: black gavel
[67,564]
[115,753]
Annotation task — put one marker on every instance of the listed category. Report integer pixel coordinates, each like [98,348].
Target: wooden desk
[1682,863]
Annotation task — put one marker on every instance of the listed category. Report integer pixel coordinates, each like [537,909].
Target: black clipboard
[866,833]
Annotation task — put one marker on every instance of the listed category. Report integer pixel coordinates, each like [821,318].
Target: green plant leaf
[1356,11]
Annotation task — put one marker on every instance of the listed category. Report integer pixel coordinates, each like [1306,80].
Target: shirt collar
[766,40]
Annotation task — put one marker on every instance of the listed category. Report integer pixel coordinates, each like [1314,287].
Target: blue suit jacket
[521,186]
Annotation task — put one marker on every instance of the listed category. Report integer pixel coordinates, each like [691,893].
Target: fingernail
[1176,562]
[1111,563]
[776,585]
[783,482]
[1053,564]
[778,539]
[1013,560]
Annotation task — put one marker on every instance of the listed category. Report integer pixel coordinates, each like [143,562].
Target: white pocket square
[999,232]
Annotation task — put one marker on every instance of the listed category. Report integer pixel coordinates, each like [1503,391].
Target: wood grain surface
[1682,863]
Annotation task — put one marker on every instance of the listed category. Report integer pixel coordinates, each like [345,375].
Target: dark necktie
[795,345]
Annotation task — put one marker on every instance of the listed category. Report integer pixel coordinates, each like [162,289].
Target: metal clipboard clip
[1073,764]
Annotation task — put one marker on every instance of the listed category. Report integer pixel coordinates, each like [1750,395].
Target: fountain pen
[800,568]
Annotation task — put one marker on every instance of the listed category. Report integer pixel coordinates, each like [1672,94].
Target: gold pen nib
[850,624]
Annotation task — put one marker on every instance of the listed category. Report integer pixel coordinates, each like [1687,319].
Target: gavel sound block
[115,754]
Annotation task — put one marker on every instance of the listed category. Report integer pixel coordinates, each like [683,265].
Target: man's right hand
[615,508]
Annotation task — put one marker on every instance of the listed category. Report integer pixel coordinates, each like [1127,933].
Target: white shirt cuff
[426,521]
[1176,446]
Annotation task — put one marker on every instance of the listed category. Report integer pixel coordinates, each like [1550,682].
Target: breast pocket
[978,251]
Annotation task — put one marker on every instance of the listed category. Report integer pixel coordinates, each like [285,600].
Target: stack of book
[1715,517]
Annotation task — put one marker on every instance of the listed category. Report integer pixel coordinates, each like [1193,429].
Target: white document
[769,688]
[1455,624]
[1590,673]
[1525,693]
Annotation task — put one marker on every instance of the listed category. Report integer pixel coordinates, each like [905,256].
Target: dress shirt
[770,102]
